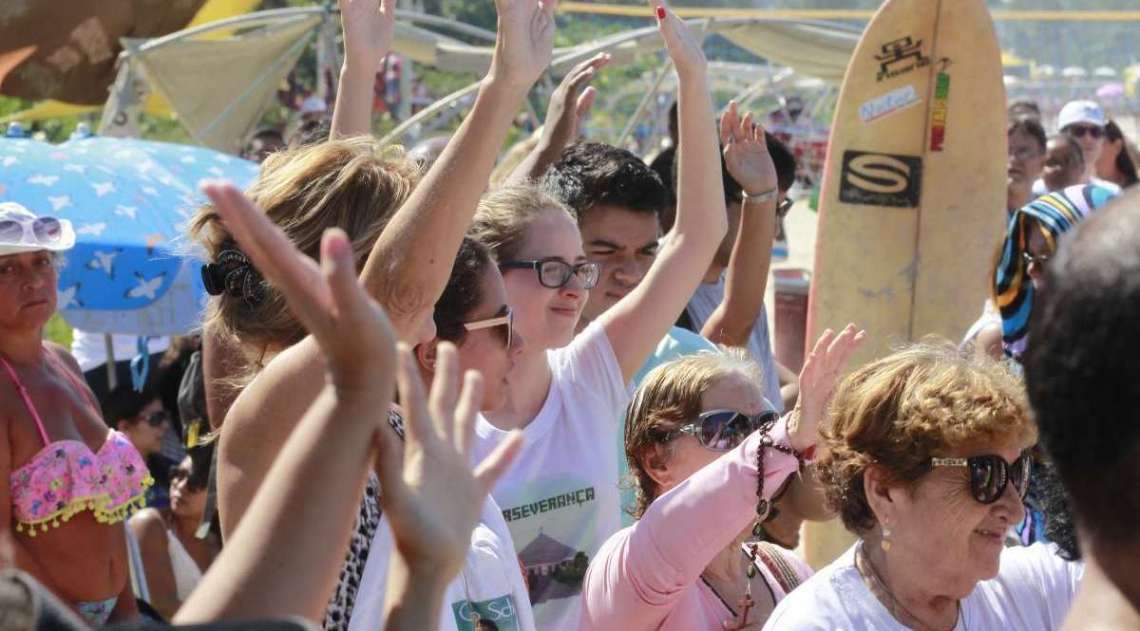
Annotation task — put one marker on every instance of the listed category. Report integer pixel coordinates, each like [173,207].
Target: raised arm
[410,264]
[746,155]
[569,104]
[368,27]
[310,498]
[638,322]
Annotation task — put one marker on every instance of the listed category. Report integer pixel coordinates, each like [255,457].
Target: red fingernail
[660,13]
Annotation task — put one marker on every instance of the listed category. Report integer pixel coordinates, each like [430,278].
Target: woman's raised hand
[353,331]
[683,46]
[525,43]
[818,378]
[432,496]
[369,27]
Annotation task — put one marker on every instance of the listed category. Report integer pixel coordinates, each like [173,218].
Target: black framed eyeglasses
[506,320]
[989,475]
[721,430]
[555,273]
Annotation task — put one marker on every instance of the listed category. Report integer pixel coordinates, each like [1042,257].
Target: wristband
[759,198]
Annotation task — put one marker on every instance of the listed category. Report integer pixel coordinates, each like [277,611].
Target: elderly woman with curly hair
[926,462]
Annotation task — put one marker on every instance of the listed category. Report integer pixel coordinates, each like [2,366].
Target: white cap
[1081,112]
[62,237]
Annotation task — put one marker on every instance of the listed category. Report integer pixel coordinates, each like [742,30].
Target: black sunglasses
[1079,131]
[989,475]
[156,419]
[721,430]
[556,273]
[178,474]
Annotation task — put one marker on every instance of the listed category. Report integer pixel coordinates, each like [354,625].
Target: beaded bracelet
[763,506]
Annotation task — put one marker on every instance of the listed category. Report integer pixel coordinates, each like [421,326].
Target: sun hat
[23,231]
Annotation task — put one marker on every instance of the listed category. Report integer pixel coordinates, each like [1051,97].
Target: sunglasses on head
[42,230]
[507,320]
[556,273]
[721,430]
[989,475]
[1079,131]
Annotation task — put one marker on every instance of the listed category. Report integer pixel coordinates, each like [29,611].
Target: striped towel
[1056,213]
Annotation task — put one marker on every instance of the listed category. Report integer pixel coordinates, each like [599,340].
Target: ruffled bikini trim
[97,504]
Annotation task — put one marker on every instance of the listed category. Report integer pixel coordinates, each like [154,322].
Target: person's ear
[426,355]
[655,462]
[882,497]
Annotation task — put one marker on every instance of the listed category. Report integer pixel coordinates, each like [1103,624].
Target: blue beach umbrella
[128,199]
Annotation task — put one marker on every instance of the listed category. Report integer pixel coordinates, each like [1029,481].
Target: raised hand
[818,379]
[368,27]
[570,103]
[525,42]
[683,46]
[746,152]
[431,494]
[354,333]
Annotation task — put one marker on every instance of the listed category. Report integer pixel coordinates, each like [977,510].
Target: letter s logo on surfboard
[880,179]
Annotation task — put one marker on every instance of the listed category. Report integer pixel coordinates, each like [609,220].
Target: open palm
[746,152]
[525,42]
[820,375]
[430,493]
[369,27]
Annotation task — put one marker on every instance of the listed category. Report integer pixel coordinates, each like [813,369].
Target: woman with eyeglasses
[173,559]
[561,499]
[925,456]
[69,481]
[474,316]
[710,456]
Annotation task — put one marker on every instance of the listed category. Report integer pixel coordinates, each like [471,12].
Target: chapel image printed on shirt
[553,569]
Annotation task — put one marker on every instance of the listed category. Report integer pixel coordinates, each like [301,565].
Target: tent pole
[112,374]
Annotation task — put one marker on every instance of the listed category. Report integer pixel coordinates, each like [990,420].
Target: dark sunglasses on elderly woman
[989,475]
[721,430]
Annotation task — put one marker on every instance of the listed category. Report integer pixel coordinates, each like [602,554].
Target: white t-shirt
[1032,592]
[490,586]
[702,305]
[90,349]
[560,498]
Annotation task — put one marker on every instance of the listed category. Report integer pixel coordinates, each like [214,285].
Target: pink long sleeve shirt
[647,576]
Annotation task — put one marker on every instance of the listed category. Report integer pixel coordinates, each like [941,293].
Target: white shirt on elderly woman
[1032,592]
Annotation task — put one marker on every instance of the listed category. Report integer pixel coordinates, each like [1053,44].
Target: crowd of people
[446,389]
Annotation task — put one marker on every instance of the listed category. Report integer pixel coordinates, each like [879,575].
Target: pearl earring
[886,542]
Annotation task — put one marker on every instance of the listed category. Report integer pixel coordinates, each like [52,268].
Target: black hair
[1082,365]
[1050,497]
[464,290]
[591,173]
[200,459]
[124,403]
[1124,162]
[1030,126]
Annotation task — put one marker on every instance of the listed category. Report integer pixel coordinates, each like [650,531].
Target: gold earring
[886,542]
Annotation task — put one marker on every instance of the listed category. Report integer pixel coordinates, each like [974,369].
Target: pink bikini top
[65,477]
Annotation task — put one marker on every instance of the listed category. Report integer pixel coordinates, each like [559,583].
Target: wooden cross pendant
[746,603]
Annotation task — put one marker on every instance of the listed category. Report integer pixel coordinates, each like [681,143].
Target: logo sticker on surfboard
[889,103]
[880,179]
[940,110]
[900,56]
